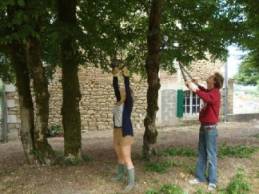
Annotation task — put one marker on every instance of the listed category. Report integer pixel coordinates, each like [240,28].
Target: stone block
[10,88]
[12,119]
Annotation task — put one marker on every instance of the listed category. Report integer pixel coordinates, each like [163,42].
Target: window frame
[198,104]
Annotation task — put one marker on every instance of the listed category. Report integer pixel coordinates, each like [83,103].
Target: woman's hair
[219,80]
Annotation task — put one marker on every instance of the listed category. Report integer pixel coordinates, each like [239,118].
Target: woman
[123,130]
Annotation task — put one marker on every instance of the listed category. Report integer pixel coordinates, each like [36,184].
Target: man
[209,117]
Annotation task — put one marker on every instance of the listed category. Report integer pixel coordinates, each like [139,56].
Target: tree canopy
[248,71]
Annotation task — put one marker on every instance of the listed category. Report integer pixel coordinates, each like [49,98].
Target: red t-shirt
[209,114]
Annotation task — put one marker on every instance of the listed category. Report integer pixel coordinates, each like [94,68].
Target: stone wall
[97,99]
[230,98]
[12,104]
[202,69]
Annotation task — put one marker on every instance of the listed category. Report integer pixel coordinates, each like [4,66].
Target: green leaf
[21,3]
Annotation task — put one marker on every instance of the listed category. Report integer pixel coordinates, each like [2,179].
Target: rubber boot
[131,181]
[120,172]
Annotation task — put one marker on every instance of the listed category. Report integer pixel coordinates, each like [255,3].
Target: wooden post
[4,127]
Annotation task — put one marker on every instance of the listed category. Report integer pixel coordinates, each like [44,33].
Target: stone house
[98,98]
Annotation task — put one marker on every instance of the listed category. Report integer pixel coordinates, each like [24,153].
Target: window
[192,103]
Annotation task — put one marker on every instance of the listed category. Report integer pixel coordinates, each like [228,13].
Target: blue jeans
[207,154]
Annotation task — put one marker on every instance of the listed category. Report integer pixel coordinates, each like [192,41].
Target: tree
[248,71]
[21,28]
[251,23]
[248,14]
[70,59]
[19,63]
[113,30]
[152,69]
[14,69]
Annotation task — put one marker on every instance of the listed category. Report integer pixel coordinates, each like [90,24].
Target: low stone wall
[243,117]
[97,99]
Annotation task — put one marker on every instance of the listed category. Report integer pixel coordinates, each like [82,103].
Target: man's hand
[195,80]
[187,83]
[193,87]
[115,71]
[125,72]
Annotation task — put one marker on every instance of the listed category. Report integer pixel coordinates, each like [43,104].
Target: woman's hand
[125,72]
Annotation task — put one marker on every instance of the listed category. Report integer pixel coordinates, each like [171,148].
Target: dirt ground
[94,176]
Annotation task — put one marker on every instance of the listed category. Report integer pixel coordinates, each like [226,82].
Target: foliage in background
[248,71]
[6,70]
[250,41]
[55,130]
[194,30]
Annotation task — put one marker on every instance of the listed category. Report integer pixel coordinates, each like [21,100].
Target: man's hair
[219,80]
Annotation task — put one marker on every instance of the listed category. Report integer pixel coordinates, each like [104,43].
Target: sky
[234,60]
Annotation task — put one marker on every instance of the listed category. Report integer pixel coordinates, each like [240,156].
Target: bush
[55,131]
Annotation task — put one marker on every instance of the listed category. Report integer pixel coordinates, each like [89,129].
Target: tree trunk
[152,68]
[71,90]
[18,59]
[4,124]
[43,150]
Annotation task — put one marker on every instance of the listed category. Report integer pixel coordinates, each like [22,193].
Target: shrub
[55,130]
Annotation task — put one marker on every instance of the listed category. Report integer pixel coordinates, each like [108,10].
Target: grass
[71,161]
[159,167]
[257,135]
[201,191]
[239,151]
[186,152]
[238,185]
[167,189]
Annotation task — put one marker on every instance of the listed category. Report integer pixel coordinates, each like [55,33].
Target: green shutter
[180,103]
